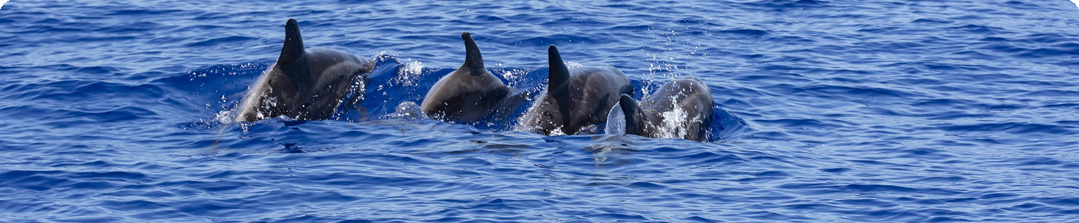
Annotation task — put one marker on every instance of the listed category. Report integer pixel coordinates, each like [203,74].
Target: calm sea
[827,111]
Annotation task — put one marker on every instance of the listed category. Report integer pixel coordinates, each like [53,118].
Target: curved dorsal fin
[293,48]
[292,62]
[632,113]
[473,59]
[558,74]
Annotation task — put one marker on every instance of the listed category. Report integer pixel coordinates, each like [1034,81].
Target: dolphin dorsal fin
[559,74]
[632,113]
[293,48]
[292,60]
[473,59]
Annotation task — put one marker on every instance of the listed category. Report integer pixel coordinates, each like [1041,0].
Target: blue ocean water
[828,111]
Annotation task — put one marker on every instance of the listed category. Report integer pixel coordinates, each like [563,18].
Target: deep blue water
[829,110]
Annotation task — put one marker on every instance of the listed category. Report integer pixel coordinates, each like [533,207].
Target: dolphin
[468,93]
[575,99]
[679,109]
[304,84]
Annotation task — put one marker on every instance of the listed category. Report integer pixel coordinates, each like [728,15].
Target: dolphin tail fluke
[473,59]
[632,113]
[559,74]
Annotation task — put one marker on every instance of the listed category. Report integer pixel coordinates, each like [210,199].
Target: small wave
[219,41]
[1011,127]
[747,32]
[931,21]
[556,39]
[785,4]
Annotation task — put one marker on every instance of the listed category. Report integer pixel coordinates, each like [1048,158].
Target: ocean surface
[826,111]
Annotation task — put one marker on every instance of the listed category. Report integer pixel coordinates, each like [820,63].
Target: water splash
[675,122]
[408,109]
[409,73]
[571,65]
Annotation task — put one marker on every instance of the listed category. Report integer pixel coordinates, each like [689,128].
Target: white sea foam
[409,73]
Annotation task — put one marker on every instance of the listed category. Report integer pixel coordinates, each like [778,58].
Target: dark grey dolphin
[303,84]
[576,98]
[469,93]
[679,109]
